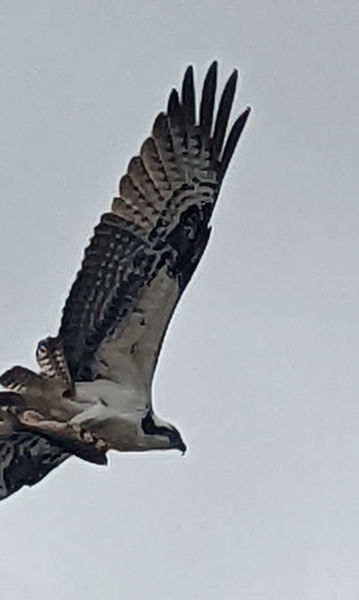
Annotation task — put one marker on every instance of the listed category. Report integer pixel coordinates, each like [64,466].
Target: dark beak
[182,447]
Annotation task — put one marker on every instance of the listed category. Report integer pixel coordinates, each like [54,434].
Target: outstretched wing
[146,249]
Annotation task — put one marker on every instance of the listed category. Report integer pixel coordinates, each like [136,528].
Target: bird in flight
[93,389]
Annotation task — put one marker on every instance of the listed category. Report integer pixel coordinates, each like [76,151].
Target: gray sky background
[259,369]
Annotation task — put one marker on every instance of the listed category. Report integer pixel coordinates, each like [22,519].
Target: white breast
[111,411]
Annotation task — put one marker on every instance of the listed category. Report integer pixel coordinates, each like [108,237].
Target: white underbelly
[111,411]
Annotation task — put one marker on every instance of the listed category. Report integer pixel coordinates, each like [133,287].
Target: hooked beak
[182,447]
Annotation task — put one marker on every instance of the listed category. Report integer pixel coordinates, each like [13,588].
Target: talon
[87,436]
[101,445]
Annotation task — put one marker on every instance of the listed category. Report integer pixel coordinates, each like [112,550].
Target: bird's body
[113,411]
[94,389]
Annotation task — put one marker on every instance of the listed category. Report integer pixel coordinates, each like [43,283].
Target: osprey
[93,389]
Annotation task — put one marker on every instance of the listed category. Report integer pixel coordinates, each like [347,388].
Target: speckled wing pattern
[139,261]
[145,250]
[26,458]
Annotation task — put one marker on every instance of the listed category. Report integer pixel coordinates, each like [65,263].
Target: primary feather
[139,262]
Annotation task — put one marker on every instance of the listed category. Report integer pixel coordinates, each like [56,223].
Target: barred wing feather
[146,249]
[140,260]
[25,459]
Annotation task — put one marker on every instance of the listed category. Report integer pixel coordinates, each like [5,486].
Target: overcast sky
[259,370]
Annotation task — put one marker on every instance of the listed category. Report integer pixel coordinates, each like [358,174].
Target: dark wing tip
[173,103]
[232,140]
[223,113]
[188,96]
[213,66]
[183,110]
[208,98]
